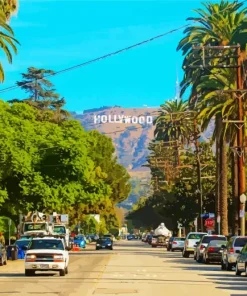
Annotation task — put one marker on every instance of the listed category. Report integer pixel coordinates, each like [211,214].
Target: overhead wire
[114,52]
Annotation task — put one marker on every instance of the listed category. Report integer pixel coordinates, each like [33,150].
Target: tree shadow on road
[224,281]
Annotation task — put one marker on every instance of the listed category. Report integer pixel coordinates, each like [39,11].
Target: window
[35,226]
[217,243]
[59,229]
[47,244]
[181,239]
[240,242]
[208,239]
[196,235]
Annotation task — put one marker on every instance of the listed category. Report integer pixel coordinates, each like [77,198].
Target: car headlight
[30,258]
[109,245]
[58,258]
[98,244]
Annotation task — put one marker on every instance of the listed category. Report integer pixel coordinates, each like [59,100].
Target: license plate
[44,266]
[103,247]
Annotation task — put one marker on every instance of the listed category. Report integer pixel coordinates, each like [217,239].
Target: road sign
[208,215]
[209,223]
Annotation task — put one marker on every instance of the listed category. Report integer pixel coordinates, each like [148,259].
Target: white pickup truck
[47,253]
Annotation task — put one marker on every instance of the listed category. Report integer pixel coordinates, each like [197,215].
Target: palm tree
[9,7]
[7,41]
[218,24]
[168,127]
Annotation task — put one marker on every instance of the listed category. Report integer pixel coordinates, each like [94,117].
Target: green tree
[219,24]
[42,95]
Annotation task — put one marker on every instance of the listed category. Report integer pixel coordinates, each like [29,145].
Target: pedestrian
[2,239]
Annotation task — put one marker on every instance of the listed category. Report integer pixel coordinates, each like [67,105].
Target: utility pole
[241,167]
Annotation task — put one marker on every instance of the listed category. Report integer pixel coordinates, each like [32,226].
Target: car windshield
[179,238]
[22,243]
[59,229]
[49,244]
[217,243]
[196,235]
[240,242]
[208,239]
[35,226]
[105,239]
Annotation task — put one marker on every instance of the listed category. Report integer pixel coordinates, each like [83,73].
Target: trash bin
[9,252]
[14,252]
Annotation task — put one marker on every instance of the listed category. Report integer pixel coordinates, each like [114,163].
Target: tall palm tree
[7,41]
[218,24]
[9,7]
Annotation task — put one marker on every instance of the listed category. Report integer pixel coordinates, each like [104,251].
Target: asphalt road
[132,268]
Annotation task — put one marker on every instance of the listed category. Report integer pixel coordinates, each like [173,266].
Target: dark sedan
[104,243]
[212,252]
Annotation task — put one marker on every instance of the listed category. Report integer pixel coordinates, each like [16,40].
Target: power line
[113,53]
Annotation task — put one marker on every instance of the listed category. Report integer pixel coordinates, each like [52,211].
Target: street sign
[209,223]
[208,215]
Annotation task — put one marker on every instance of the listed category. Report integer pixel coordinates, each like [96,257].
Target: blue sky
[59,34]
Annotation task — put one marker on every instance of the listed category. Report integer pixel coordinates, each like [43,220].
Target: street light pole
[9,230]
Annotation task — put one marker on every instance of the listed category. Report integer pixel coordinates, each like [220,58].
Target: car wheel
[29,272]
[97,249]
[228,266]
[198,259]
[62,272]
[237,271]
[1,261]
[206,261]
[172,250]
[66,270]
[194,256]
[185,254]
[223,267]
[5,262]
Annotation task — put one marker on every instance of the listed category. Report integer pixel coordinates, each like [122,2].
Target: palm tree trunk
[235,195]
[217,193]
[223,185]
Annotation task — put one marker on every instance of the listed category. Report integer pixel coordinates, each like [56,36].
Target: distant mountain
[131,130]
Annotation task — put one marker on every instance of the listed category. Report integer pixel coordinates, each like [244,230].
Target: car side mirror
[237,252]
[223,247]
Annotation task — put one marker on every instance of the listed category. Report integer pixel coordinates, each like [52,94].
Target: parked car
[189,245]
[203,243]
[80,241]
[231,251]
[169,245]
[130,237]
[241,264]
[178,244]
[212,252]
[22,244]
[3,255]
[104,243]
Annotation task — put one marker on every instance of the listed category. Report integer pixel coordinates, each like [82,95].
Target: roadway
[132,268]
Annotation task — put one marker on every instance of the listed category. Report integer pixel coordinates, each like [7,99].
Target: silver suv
[230,253]
[191,239]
